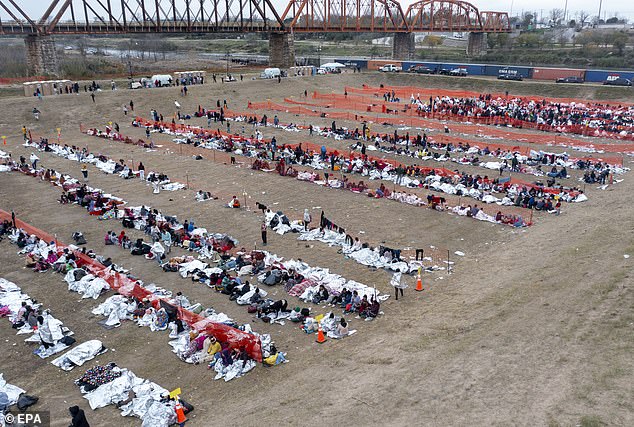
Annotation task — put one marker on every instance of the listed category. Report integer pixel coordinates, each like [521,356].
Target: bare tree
[583,17]
[556,15]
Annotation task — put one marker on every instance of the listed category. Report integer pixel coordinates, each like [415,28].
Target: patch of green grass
[591,421]
[8,92]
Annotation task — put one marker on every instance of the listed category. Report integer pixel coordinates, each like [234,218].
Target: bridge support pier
[477,44]
[403,46]
[281,50]
[41,57]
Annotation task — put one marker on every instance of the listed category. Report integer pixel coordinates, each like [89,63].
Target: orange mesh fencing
[415,122]
[576,129]
[131,288]
[408,90]
[364,104]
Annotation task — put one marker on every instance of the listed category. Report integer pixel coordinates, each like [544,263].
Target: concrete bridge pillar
[403,46]
[281,50]
[41,57]
[477,44]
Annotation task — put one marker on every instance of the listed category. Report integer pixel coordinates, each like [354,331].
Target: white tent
[333,65]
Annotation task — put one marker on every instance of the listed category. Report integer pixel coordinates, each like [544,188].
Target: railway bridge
[64,17]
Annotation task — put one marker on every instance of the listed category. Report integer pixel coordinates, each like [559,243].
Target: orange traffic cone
[419,283]
[320,335]
[180,414]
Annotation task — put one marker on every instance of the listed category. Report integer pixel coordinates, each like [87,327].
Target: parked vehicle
[461,72]
[569,79]
[509,74]
[617,81]
[390,68]
[159,80]
[515,77]
[271,73]
[420,69]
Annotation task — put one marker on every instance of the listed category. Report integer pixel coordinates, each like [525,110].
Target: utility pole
[566,13]
[600,5]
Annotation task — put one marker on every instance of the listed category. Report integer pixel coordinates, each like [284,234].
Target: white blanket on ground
[145,404]
[322,276]
[89,286]
[13,392]
[79,355]
[115,308]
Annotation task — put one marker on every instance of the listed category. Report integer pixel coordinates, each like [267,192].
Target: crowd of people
[605,117]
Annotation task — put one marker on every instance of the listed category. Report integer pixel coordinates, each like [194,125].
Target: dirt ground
[534,326]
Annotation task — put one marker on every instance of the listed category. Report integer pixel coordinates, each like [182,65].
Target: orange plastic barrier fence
[127,287]
[408,90]
[414,122]
[444,139]
[577,129]
[338,101]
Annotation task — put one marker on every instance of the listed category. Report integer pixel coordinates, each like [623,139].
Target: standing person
[92,95]
[33,158]
[141,171]
[166,237]
[84,171]
[131,105]
[78,417]
[398,284]
[263,228]
[36,113]
[307,219]
[24,132]
[125,110]
[13,218]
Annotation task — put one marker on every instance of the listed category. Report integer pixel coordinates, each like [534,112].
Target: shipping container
[375,64]
[409,64]
[494,70]
[541,73]
[361,63]
[600,76]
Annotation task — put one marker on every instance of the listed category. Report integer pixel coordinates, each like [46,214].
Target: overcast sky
[621,8]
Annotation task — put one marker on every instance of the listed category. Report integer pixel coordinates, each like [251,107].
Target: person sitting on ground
[372,310]
[277,306]
[211,348]
[321,295]
[234,203]
[363,305]
[339,299]
[353,305]
[162,319]
[107,240]
[342,329]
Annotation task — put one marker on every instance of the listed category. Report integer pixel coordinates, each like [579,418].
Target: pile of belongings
[109,384]
[13,395]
